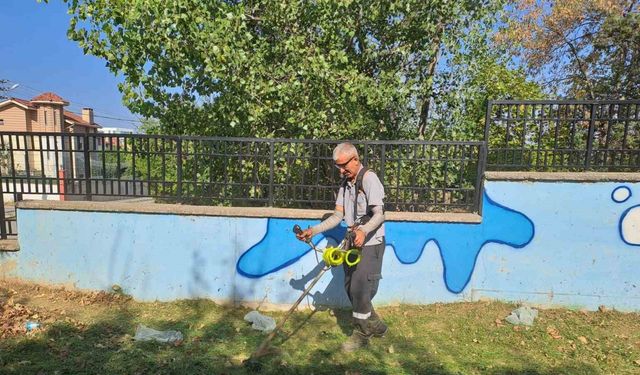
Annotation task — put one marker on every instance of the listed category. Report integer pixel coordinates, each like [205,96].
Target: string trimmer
[332,257]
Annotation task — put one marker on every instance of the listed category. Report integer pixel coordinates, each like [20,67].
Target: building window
[1,121]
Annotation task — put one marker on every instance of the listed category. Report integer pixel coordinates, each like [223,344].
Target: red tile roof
[49,97]
[77,120]
[73,118]
[25,103]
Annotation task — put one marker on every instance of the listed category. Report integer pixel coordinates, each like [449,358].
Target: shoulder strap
[359,178]
[343,183]
[358,186]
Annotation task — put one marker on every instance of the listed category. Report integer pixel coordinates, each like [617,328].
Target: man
[361,280]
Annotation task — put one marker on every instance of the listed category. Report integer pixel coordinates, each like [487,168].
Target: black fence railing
[418,176]
[563,135]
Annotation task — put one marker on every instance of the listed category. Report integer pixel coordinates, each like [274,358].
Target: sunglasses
[343,165]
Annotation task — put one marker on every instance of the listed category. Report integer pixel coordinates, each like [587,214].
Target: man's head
[345,158]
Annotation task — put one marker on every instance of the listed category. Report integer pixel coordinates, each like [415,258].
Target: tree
[149,126]
[616,57]
[580,48]
[4,87]
[369,69]
[489,78]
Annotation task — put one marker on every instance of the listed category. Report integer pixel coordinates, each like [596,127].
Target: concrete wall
[566,243]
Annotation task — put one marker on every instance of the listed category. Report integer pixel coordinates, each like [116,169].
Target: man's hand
[305,235]
[360,236]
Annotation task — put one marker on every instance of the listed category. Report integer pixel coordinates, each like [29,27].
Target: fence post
[365,154]
[482,161]
[592,123]
[3,221]
[271,167]
[383,161]
[487,122]
[61,184]
[87,167]
[179,167]
[485,148]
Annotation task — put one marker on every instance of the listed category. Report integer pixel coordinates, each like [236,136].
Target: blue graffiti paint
[277,249]
[628,224]
[459,243]
[621,194]
[629,221]
[280,248]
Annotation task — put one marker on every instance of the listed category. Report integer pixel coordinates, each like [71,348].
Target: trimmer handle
[297,230]
[350,236]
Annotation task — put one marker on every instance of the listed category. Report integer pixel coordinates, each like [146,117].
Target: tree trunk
[426,102]
[428,93]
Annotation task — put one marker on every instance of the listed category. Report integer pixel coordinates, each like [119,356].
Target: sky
[36,54]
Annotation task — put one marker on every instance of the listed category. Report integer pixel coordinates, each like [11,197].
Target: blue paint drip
[459,243]
[280,248]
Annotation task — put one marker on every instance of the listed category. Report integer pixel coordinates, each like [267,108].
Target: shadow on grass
[106,347]
[217,344]
[333,295]
[581,369]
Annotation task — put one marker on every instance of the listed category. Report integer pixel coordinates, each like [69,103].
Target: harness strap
[358,187]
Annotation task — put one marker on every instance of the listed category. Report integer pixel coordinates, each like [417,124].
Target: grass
[92,334]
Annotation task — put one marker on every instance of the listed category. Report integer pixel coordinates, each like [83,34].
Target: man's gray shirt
[373,196]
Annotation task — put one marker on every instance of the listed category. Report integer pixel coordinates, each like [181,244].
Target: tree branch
[581,67]
[426,103]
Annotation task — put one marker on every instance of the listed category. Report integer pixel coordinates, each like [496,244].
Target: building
[40,155]
[107,130]
[116,139]
[44,113]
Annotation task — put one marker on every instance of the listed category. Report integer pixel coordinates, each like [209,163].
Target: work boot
[357,340]
[376,327]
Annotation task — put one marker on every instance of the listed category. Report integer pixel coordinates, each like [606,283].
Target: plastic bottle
[30,325]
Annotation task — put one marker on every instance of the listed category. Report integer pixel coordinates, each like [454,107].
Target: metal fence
[291,173]
[418,176]
[563,135]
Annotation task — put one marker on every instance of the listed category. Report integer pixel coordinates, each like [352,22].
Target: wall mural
[546,243]
[459,243]
[629,225]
